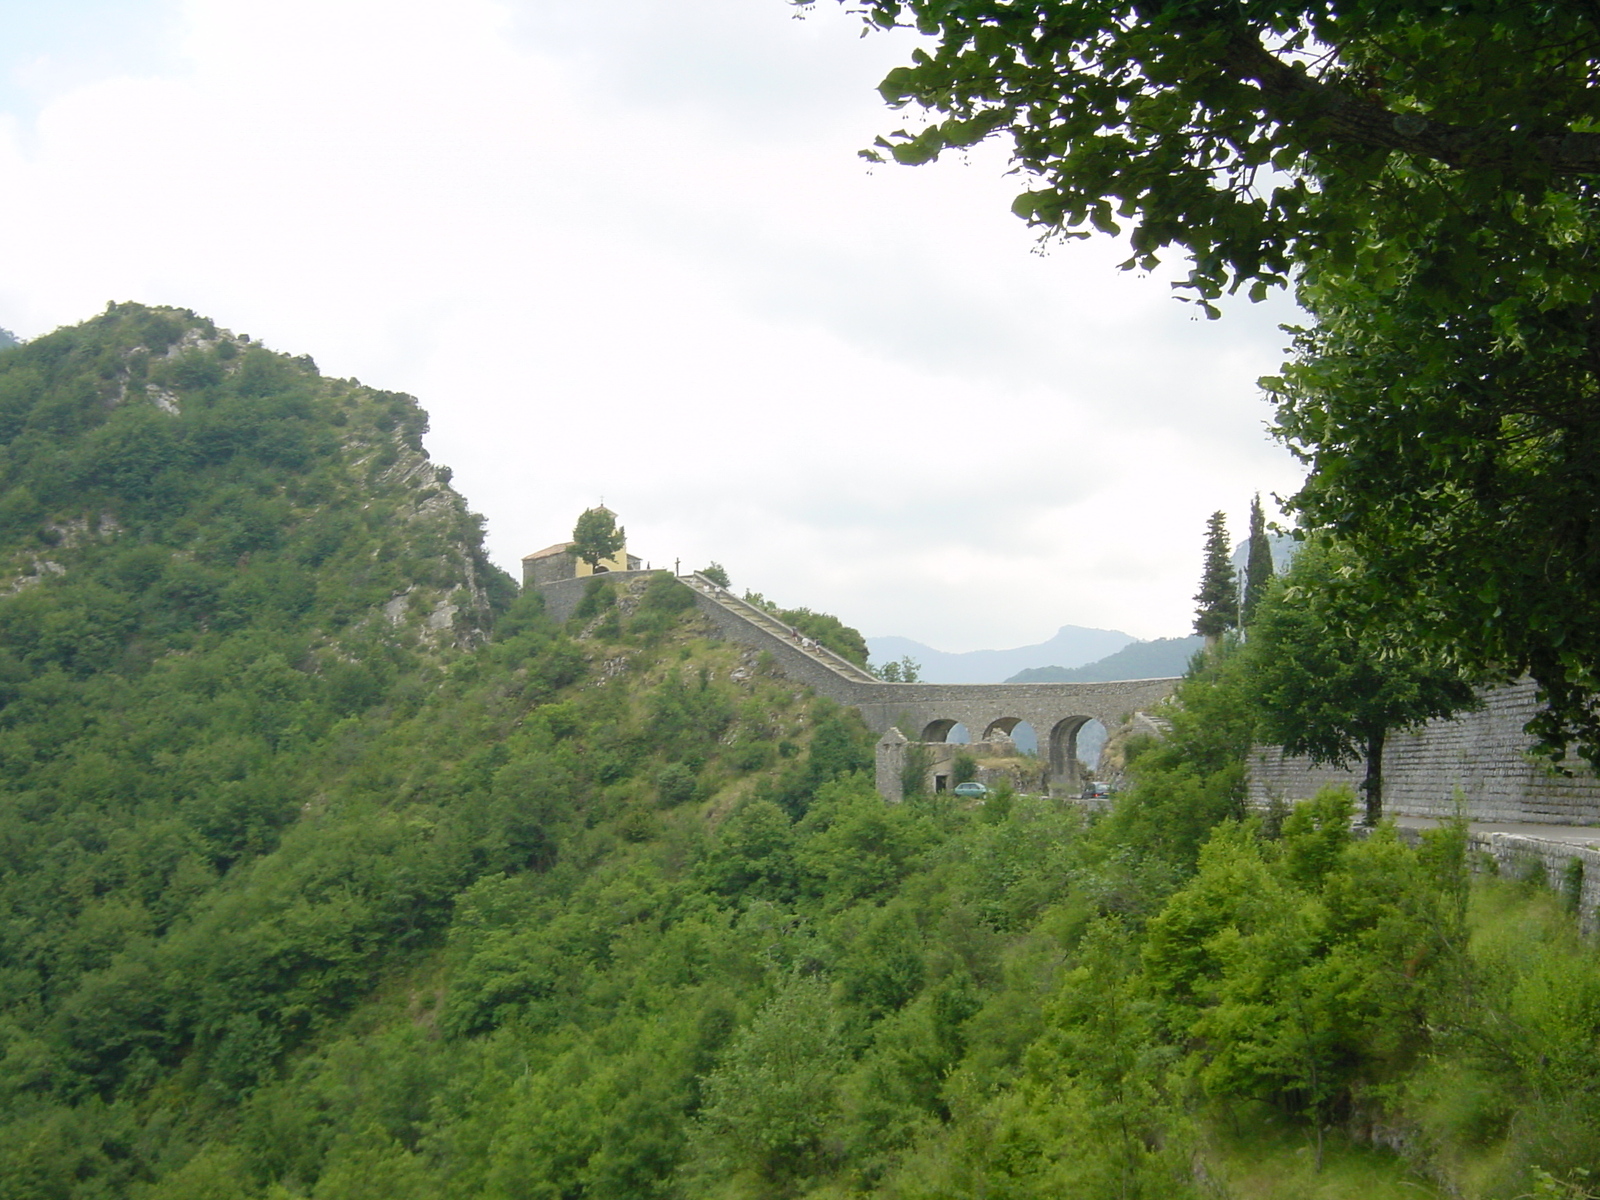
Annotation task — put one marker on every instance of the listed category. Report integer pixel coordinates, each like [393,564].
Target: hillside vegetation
[334,869]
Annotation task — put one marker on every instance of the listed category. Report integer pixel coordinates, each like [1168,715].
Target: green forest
[331,867]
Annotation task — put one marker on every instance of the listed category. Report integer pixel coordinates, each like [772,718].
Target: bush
[597,596]
[964,769]
[675,785]
[666,594]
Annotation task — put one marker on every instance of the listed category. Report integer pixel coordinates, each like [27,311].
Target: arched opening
[1064,748]
[1021,733]
[1091,741]
[1075,745]
[946,731]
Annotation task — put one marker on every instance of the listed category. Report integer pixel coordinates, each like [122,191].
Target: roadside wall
[1484,754]
[1545,861]
[1520,856]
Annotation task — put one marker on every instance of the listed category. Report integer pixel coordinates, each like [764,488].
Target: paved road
[1579,835]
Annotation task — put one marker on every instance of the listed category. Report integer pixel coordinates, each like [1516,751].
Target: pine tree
[1258,570]
[1218,597]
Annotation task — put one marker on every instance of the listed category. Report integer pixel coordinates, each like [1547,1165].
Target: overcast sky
[628,251]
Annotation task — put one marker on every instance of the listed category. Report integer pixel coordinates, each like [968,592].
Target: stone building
[554,563]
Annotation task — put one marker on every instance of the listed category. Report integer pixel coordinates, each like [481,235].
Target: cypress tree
[1258,567]
[1218,597]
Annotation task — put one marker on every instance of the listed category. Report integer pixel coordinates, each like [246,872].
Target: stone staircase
[770,624]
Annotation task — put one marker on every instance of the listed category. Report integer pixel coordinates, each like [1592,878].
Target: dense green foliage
[306,894]
[1331,679]
[220,565]
[824,628]
[1455,449]
[905,669]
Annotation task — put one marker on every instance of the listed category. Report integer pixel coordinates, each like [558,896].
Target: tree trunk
[1373,785]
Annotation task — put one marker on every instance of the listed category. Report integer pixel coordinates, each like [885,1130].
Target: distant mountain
[1072,646]
[8,339]
[1283,547]
[1160,659]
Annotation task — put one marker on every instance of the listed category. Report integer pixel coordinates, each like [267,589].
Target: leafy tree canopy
[904,670]
[1424,173]
[596,536]
[1258,138]
[1331,680]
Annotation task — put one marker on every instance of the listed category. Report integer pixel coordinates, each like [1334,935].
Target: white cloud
[628,251]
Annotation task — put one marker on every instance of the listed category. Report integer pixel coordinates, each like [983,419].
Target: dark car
[1096,791]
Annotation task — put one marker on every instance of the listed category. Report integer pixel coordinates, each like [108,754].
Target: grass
[1265,1159]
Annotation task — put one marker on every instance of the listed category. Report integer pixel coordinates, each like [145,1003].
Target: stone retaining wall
[1519,855]
[1483,754]
[794,662]
[561,598]
[1545,861]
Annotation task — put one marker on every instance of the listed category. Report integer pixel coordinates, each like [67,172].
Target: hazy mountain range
[1072,646]
[1160,659]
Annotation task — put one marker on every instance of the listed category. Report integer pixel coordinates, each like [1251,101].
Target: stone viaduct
[911,712]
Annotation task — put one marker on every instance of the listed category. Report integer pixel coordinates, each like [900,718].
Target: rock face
[1480,757]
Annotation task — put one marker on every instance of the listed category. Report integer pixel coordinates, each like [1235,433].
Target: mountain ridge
[1160,658]
[1072,646]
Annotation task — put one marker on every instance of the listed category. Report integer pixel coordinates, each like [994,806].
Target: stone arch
[1003,725]
[1020,730]
[1090,743]
[1064,748]
[938,730]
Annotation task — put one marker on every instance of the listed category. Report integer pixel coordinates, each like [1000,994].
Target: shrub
[964,769]
[597,595]
[675,785]
[666,594]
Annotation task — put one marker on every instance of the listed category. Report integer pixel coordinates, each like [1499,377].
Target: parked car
[972,790]
[1096,791]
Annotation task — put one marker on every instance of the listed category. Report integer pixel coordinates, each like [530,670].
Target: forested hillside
[332,868]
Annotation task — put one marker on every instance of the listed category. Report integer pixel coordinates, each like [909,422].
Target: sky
[628,253]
